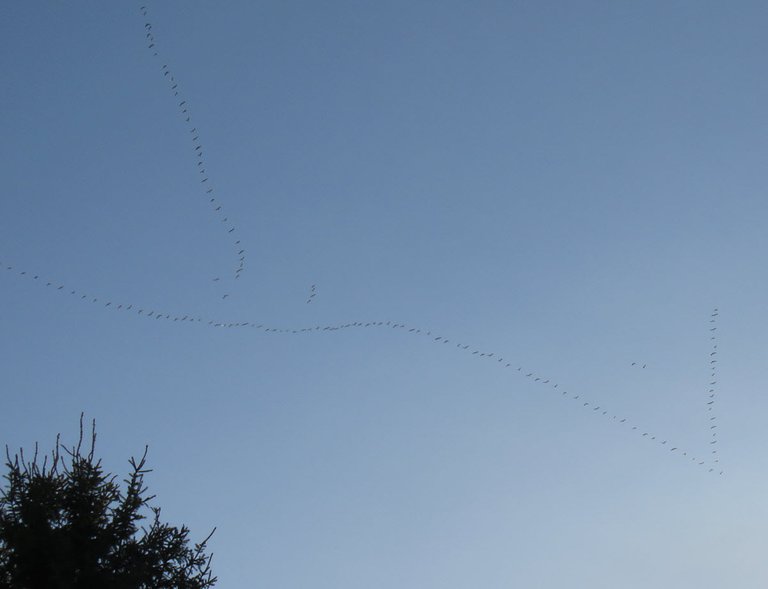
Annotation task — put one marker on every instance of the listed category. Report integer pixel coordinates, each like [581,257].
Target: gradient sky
[571,186]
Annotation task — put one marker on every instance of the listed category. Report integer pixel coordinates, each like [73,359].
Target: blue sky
[571,187]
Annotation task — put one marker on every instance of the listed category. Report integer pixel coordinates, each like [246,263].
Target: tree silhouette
[65,524]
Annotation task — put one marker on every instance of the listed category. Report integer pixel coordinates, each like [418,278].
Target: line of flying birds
[712,418]
[197,147]
[436,339]
[312,293]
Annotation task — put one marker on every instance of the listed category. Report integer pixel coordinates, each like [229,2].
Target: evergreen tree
[66,524]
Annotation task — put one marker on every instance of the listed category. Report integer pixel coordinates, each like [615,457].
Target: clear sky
[573,187]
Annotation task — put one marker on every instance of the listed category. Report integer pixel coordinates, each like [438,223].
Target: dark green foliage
[69,525]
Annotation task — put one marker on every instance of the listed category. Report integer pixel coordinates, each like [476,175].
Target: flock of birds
[580,399]
[197,150]
[711,463]
[712,421]
[312,293]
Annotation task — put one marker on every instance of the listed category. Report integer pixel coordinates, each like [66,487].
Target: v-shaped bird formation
[711,462]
